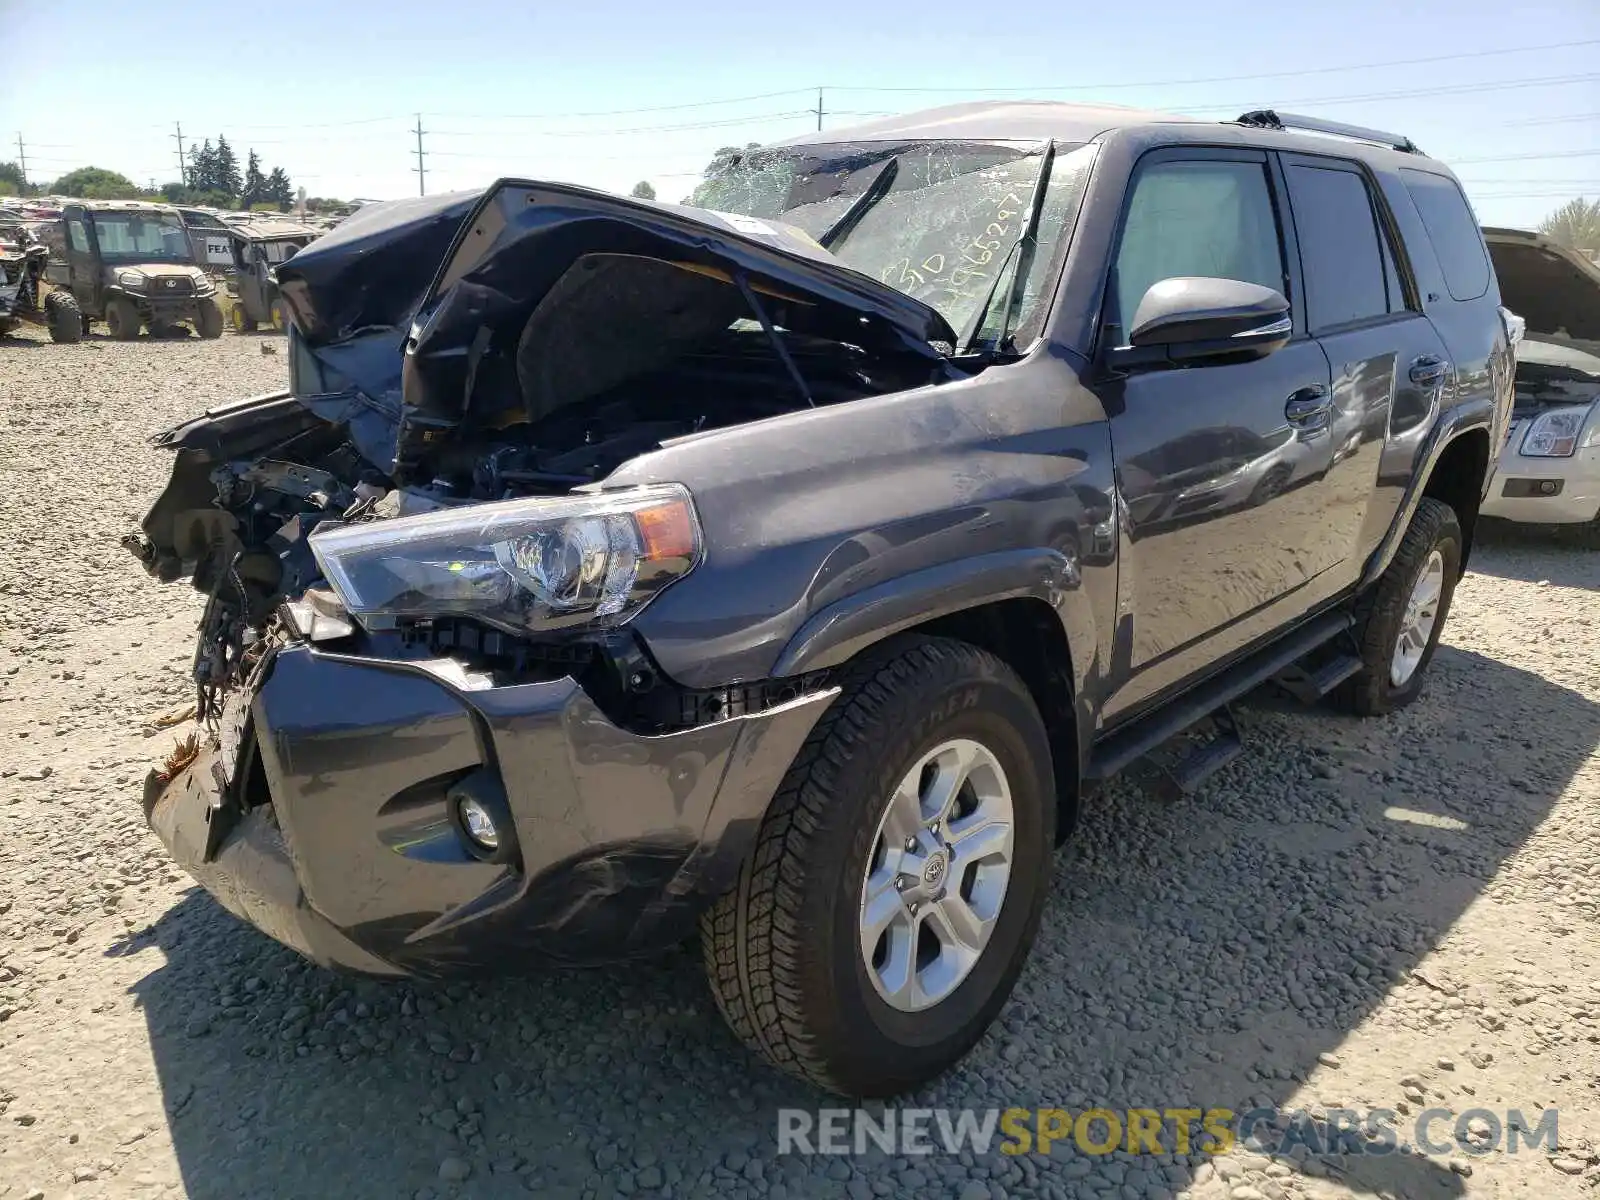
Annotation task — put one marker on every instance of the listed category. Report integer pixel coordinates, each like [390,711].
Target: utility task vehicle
[798,568]
[24,291]
[131,264]
[256,252]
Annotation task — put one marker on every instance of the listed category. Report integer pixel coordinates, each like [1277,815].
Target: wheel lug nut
[899,885]
[911,843]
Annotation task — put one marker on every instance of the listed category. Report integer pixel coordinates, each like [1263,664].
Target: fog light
[482,818]
[479,823]
[1549,487]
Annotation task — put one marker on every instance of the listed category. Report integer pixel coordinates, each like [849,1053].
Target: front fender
[843,629]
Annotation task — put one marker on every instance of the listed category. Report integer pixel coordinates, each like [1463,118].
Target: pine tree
[203,167]
[226,174]
[254,183]
[279,190]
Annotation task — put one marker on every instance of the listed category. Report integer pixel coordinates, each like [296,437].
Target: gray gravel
[1289,936]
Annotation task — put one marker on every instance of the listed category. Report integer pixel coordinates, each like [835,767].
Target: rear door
[1219,466]
[1389,365]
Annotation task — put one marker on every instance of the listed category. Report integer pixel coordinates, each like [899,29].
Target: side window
[78,235]
[1453,230]
[1196,217]
[1347,267]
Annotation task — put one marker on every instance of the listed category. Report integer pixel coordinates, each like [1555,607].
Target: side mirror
[1190,319]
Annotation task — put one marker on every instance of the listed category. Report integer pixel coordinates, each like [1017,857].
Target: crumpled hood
[477,309]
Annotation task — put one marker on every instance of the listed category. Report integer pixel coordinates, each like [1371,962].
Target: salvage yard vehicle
[25,294]
[130,263]
[256,252]
[1549,470]
[612,567]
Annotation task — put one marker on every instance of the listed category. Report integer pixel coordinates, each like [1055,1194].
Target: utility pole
[22,159]
[183,172]
[818,108]
[422,172]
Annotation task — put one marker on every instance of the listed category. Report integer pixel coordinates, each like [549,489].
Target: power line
[1123,84]
[621,112]
[1529,158]
[1590,116]
[725,123]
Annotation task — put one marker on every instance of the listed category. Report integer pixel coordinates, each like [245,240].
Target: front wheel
[208,318]
[898,878]
[1399,621]
[122,318]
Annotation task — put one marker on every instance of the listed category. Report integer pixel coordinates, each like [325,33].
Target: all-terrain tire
[208,318]
[1381,613]
[63,318]
[783,950]
[122,319]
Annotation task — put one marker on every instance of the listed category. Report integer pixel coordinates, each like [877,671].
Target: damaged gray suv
[794,566]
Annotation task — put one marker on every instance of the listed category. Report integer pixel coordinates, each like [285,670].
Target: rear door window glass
[1210,218]
[1341,253]
[78,235]
[1453,230]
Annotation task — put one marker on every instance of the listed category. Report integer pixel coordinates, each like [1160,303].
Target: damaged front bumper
[321,813]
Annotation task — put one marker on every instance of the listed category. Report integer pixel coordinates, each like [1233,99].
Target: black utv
[132,265]
[25,295]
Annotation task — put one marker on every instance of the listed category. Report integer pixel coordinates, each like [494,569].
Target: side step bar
[1132,743]
[1310,686]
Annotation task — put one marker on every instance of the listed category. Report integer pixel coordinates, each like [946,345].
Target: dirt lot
[1397,914]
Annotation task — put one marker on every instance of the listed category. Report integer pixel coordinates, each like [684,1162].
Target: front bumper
[355,862]
[1516,493]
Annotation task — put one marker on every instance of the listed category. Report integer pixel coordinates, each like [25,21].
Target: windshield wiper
[1025,245]
[875,191]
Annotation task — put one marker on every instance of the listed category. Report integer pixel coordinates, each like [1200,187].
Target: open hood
[1557,292]
[539,295]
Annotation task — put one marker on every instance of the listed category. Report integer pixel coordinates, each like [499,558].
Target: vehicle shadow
[1197,954]
[1535,554]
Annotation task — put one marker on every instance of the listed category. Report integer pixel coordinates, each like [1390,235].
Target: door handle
[1306,405]
[1428,370]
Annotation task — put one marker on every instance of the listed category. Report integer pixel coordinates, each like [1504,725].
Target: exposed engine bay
[526,342]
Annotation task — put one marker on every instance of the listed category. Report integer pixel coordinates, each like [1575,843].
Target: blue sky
[332,93]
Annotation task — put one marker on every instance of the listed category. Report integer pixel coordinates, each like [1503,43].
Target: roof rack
[1266,118]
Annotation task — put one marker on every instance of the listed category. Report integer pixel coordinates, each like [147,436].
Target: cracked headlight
[134,281]
[522,565]
[1554,434]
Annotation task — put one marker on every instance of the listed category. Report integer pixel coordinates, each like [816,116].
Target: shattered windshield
[150,237]
[937,220]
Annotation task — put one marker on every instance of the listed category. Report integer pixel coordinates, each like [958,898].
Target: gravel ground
[1287,936]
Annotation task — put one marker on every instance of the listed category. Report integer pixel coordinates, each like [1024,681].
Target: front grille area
[171,285]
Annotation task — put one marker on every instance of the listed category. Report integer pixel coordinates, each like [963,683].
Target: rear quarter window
[1453,230]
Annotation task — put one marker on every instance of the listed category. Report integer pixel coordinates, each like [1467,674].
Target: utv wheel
[122,319]
[63,318]
[898,878]
[1402,615]
[241,322]
[208,318]
[279,322]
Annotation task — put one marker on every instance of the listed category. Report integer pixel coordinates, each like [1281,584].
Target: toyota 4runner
[795,564]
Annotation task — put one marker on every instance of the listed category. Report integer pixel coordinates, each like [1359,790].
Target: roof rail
[1266,118]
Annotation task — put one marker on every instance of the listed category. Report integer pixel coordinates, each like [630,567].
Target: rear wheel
[1400,618]
[898,878]
[241,321]
[122,318]
[208,318]
[278,320]
[63,318]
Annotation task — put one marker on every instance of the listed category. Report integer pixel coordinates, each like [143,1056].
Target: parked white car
[1549,470]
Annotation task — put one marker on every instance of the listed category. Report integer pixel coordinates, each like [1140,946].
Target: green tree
[226,177]
[254,191]
[278,189]
[1575,224]
[643,190]
[202,167]
[11,173]
[95,183]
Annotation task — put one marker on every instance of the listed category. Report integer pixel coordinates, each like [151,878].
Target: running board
[1127,745]
[1207,759]
[1309,687]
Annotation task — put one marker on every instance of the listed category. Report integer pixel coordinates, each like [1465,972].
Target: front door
[83,273]
[1220,467]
